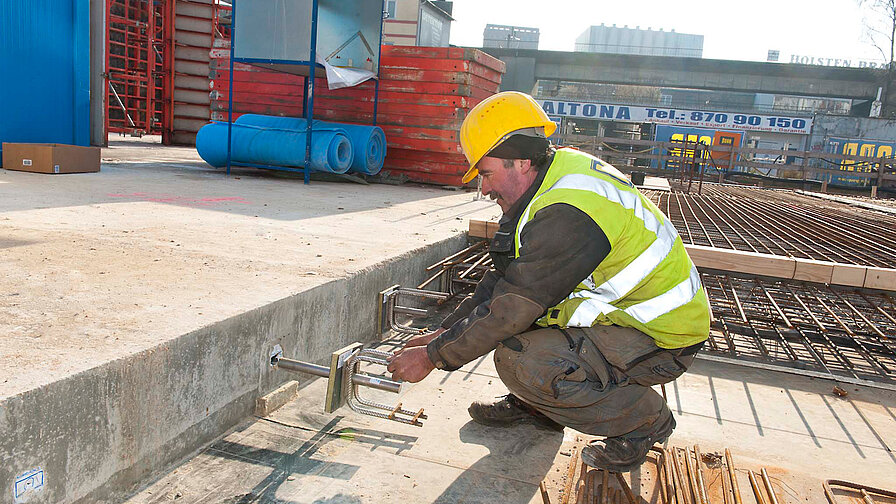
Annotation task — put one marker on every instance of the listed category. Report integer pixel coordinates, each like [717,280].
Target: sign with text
[678,117]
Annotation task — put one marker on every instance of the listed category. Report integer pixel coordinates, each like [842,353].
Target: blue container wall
[45,71]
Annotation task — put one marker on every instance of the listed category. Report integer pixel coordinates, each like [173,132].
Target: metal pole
[806,149]
[230,89]
[302,367]
[318,370]
[309,92]
[120,104]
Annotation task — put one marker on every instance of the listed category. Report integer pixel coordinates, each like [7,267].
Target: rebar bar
[353,378]
[781,223]
[773,498]
[735,488]
[837,331]
[756,491]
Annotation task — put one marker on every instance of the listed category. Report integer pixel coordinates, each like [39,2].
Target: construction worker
[593,298]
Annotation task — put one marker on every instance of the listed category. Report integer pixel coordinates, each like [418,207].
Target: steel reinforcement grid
[826,331]
[839,333]
[781,223]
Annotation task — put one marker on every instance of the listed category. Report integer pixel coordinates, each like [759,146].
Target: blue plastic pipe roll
[368,142]
[331,148]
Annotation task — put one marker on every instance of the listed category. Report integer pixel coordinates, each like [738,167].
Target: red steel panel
[418,155]
[425,93]
[464,53]
[133,67]
[428,178]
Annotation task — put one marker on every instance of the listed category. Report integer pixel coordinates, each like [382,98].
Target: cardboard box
[50,158]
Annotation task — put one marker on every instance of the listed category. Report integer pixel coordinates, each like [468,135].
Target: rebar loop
[351,380]
[393,308]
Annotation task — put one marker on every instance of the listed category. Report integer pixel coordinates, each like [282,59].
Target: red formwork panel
[423,156]
[431,166]
[409,92]
[157,66]
[193,36]
[463,53]
[439,178]
[293,105]
[133,71]
[442,66]
[406,81]
[423,144]
[220,114]
[424,95]
[446,135]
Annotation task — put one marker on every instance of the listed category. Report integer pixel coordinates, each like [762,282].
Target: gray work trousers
[596,380]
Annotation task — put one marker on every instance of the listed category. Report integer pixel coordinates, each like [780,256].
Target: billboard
[852,147]
[712,157]
[678,117]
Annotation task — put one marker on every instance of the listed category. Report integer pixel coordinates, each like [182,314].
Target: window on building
[390,9]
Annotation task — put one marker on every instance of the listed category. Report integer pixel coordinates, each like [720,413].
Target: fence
[693,160]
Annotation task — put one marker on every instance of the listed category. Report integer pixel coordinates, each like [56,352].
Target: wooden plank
[741,262]
[478,229]
[813,271]
[848,274]
[491,227]
[881,278]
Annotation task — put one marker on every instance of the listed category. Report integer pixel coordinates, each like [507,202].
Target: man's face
[505,184]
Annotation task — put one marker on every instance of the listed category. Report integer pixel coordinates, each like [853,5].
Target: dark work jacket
[559,247]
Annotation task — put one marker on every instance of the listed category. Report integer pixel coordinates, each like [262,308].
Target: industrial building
[624,40]
[219,222]
[510,37]
[417,22]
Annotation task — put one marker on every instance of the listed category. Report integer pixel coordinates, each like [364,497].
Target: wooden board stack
[425,94]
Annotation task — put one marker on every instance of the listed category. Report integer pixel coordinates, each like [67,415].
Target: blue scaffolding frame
[307,96]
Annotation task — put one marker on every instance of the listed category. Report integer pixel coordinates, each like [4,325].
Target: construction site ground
[795,427]
[101,265]
[138,306]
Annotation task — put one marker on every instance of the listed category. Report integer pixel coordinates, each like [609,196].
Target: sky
[739,30]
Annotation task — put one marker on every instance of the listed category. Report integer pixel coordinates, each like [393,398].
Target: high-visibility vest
[647,281]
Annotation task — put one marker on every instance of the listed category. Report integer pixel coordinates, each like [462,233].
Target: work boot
[623,453]
[510,411]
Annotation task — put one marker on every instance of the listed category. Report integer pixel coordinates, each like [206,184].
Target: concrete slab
[794,423]
[355,458]
[97,266]
[138,305]
[794,426]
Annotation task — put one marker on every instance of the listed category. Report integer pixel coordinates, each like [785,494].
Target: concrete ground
[795,427]
[102,265]
[138,305]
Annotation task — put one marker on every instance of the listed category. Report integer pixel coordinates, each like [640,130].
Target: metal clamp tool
[389,307]
[344,379]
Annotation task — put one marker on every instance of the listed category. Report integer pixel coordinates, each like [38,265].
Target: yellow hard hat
[496,118]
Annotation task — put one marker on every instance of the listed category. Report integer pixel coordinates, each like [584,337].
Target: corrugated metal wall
[45,71]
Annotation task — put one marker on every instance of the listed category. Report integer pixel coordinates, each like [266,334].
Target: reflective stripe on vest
[647,281]
[597,301]
[593,306]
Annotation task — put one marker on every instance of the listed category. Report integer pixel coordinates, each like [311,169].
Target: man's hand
[423,339]
[411,364]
